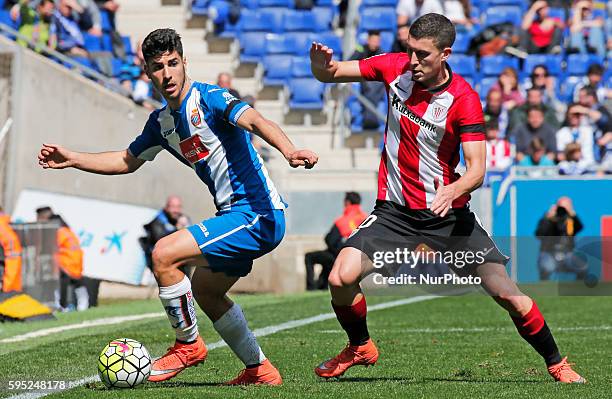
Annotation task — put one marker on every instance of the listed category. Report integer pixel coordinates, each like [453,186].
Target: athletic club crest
[196,119]
[438,113]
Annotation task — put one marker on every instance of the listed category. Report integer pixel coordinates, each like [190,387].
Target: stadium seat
[379,3]
[199,7]
[333,41]
[300,67]
[552,63]
[269,20]
[92,43]
[382,19]
[484,86]
[325,3]
[324,17]
[276,3]
[306,94]
[299,42]
[252,47]
[250,4]
[494,65]
[567,88]
[5,18]
[299,21]
[127,44]
[464,65]
[558,13]
[277,69]
[117,65]
[107,42]
[106,24]
[503,14]
[462,42]
[84,61]
[217,12]
[578,64]
[278,44]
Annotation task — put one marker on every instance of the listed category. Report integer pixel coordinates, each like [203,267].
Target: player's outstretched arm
[328,70]
[254,122]
[53,156]
[474,153]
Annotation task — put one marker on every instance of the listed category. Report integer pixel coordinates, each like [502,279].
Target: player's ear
[446,53]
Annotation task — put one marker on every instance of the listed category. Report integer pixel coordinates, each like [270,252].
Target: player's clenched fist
[305,158]
[53,156]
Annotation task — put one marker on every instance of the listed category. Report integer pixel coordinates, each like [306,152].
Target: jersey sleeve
[470,118]
[382,67]
[147,145]
[225,106]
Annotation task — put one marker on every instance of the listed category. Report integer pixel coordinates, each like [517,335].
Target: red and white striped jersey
[499,154]
[423,132]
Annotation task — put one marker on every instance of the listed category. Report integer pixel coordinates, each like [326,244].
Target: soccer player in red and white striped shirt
[421,199]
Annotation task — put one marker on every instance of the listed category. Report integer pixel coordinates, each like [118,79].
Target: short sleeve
[470,118]
[382,67]
[224,105]
[147,145]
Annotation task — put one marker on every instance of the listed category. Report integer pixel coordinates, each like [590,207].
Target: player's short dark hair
[435,27]
[160,41]
[373,32]
[353,198]
[595,69]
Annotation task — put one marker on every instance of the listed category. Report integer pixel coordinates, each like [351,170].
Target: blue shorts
[231,240]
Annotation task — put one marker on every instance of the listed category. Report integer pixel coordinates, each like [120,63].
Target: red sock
[534,330]
[352,318]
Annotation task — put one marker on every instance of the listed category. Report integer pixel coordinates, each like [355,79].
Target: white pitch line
[260,332]
[91,323]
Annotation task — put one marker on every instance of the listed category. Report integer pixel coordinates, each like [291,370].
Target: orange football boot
[264,374]
[177,359]
[563,372]
[352,355]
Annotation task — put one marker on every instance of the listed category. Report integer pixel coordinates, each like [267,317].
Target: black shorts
[448,240]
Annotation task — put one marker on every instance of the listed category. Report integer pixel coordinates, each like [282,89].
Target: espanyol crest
[196,119]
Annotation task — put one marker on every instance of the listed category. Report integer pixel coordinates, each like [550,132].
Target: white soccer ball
[124,363]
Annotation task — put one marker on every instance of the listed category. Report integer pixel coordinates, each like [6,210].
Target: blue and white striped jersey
[203,135]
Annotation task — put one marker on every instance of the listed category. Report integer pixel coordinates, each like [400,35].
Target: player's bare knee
[162,259]
[341,276]
[514,302]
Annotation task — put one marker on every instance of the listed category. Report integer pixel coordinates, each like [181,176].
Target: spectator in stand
[535,127]
[495,109]
[594,79]
[142,91]
[35,22]
[598,115]
[459,12]
[574,163]
[575,131]
[534,98]
[110,7]
[541,34]
[224,80]
[373,91]
[586,30]
[401,38]
[70,40]
[508,84]
[499,150]
[536,154]
[541,80]
[409,10]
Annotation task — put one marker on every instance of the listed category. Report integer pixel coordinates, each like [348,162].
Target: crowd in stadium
[540,67]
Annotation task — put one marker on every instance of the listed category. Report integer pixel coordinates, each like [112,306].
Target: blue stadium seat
[92,43]
[333,41]
[559,13]
[325,3]
[84,61]
[5,18]
[464,65]
[383,19]
[199,7]
[552,62]
[493,65]
[578,64]
[566,92]
[484,86]
[252,47]
[306,94]
[462,42]
[379,3]
[250,4]
[299,21]
[276,3]
[217,11]
[278,44]
[300,67]
[502,14]
[277,69]
[107,42]
[106,24]
[299,42]
[324,17]
[268,20]
[117,65]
